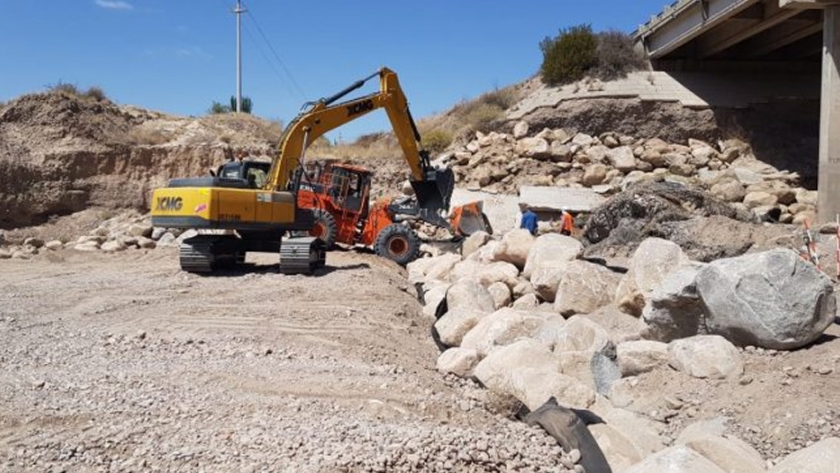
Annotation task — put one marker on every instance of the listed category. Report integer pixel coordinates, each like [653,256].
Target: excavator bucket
[469,218]
[433,195]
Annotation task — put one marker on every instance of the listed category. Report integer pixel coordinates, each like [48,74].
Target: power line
[276,56]
[267,59]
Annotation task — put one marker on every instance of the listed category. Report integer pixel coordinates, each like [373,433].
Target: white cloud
[114,4]
[192,51]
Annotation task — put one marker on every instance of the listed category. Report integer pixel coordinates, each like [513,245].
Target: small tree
[246,104]
[567,57]
[97,94]
[218,108]
[617,56]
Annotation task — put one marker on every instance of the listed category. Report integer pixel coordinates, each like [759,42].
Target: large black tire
[398,243]
[325,227]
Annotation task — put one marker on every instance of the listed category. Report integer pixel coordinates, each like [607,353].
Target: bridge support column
[829,170]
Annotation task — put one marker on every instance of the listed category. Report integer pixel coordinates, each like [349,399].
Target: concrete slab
[501,209]
[691,89]
[555,199]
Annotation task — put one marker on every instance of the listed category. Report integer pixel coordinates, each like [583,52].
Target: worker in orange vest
[567,223]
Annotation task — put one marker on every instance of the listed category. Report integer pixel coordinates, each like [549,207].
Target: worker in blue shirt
[529,221]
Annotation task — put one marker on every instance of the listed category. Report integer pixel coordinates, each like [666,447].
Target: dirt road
[125,363]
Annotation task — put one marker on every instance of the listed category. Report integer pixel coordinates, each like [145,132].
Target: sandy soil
[125,363]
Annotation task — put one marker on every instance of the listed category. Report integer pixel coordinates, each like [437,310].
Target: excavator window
[256,177]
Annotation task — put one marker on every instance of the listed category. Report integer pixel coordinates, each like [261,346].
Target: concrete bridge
[760,36]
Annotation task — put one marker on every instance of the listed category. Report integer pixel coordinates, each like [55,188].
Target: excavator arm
[433,187]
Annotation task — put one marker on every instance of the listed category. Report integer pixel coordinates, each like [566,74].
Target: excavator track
[206,253]
[302,255]
[197,256]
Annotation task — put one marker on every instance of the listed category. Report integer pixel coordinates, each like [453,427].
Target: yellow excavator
[234,213]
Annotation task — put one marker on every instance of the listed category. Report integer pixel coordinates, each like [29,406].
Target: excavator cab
[254,173]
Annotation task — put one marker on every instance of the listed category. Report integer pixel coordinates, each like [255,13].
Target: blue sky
[178,56]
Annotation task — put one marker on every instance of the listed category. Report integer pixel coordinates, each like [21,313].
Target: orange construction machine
[340,196]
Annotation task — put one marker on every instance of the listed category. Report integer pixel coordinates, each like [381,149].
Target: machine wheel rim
[319,230]
[398,246]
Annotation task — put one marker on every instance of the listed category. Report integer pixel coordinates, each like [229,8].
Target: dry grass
[232,125]
[366,148]
[94,93]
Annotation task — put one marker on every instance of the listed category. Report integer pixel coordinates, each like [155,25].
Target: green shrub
[247,104]
[569,56]
[96,93]
[617,56]
[435,141]
[64,87]
[217,108]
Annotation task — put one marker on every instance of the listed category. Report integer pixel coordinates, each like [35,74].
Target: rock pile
[511,312]
[610,162]
[126,231]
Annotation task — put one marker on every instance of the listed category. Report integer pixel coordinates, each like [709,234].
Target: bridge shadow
[777,113]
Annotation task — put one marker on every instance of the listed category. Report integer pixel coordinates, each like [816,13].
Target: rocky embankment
[610,163]
[529,318]
[64,152]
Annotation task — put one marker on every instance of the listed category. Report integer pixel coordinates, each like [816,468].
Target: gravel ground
[125,363]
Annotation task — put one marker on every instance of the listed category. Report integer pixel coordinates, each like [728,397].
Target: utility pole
[238,11]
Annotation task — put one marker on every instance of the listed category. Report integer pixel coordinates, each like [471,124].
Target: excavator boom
[432,187]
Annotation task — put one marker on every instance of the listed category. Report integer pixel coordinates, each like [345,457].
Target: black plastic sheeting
[569,428]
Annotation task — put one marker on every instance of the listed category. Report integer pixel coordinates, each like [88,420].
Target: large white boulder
[622,158]
[467,302]
[474,242]
[501,294]
[497,369]
[582,334]
[584,287]
[641,431]
[640,356]
[526,302]
[466,269]
[551,250]
[520,130]
[545,281]
[674,309]
[706,356]
[729,453]
[549,331]
[433,297]
[470,294]
[534,386]
[484,254]
[821,457]
[773,299]
[514,247]
[652,261]
[502,327]
[618,449]
[714,427]
[498,271]
[458,361]
[440,267]
[677,459]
